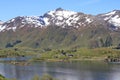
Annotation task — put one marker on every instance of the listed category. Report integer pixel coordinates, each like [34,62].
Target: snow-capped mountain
[112,17]
[59,17]
[1,23]
[63,18]
[23,21]
[62,28]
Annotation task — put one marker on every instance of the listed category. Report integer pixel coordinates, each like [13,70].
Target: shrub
[47,77]
[44,77]
[2,77]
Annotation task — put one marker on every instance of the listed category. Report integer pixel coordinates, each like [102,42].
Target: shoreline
[67,60]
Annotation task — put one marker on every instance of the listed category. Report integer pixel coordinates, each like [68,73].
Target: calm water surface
[85,70]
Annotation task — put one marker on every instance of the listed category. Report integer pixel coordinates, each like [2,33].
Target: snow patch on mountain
[1,28]
[13,28]
[46,21]
[115,20]
[112,17]
[61,17]
[61,13]
[88,20]
[34,20]
[110,13]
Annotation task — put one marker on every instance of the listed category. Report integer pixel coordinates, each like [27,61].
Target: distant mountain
[112,17]
[62,29]
[1,22]
[63,18]
[59,17]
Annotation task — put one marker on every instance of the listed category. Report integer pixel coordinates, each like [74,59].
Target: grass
[16,52]
[79,54]
[62,54]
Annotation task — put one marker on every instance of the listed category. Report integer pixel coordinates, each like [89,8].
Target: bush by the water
[2,77]
[44,77]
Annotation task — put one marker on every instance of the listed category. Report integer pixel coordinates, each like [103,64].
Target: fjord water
[82,70]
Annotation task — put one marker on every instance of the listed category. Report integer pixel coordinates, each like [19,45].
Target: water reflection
[64,71]
[2,69]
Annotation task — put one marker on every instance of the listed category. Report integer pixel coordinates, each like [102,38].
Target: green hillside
[55,37]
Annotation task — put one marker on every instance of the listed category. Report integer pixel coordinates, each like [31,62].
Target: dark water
[63,70]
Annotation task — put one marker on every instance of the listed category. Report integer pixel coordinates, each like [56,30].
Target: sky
[13,8]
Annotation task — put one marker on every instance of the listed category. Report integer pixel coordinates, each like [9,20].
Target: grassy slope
[55,37]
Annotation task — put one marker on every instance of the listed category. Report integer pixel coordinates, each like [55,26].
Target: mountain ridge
[61,17]
[56,17]
[61,28]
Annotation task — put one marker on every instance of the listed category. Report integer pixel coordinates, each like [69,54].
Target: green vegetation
[55,54]
[55,37]
[77,54]
[11,53]
[48,54]
[2,77]
[18,52]
[44,77]
[36,77]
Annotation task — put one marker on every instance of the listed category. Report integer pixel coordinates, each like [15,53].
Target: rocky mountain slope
[1,24]
[61,28]
[112,17]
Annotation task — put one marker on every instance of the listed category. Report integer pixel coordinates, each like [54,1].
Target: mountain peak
[112,17]
[61,12]
[63,18]
[116,10]
[59,9]
[74,27]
